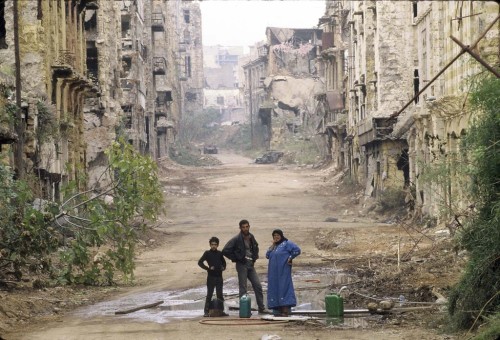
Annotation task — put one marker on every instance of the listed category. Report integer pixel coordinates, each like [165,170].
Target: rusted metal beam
[396,114]
[475,56]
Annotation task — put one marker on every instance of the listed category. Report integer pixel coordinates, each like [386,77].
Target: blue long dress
[280,292]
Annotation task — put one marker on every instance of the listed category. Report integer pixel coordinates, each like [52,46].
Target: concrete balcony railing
[66,58]
[129,98]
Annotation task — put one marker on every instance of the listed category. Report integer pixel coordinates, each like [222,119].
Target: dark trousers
[213,282]
[247,271]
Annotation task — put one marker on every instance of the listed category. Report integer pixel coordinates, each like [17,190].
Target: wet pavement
[310,288]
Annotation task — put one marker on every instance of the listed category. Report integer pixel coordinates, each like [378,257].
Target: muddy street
[210,201]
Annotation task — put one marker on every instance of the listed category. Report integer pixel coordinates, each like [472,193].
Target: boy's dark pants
[213,282]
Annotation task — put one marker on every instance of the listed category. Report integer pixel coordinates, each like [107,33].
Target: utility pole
[19,122]
[251,106]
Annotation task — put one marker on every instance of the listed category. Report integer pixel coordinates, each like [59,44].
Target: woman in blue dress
[280,292]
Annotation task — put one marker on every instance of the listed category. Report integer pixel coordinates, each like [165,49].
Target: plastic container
[334,305]
[245,306]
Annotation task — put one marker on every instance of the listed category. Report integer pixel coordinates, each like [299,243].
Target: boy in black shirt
[216,264]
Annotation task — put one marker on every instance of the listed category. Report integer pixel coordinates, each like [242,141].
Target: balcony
[159,66]
[64,64]
[158,22]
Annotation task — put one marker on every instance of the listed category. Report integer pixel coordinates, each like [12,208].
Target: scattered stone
[372,307]
[386,304]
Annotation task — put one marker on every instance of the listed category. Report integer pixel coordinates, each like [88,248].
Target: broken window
[416,85]
[220,100]
[92,61]
[191,96]
[187,66]
[187,18]
[127,65]
[403,164]
[3,31]
[415,9]
[125,26]
[128,123]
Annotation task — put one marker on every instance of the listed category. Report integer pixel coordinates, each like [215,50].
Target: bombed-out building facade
[396,89]
[85,73]
[281,83]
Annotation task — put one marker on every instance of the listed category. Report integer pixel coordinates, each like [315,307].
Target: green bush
[477,293]
[102,221]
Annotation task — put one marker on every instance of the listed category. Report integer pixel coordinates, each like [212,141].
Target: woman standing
[280,292]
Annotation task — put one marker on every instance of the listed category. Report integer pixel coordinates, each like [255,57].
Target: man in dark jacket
[216,265]
[244,250]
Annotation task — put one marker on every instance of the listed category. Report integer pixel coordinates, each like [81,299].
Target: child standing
[216,264]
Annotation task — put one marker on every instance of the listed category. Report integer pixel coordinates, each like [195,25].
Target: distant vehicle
[269,157]
[210,149]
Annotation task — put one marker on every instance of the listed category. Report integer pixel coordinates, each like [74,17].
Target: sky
[244,22]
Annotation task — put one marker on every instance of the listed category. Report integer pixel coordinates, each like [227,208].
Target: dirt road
[203,202]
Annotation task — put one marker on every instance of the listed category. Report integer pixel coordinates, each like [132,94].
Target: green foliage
[241,140]
[47,125]
[94,232]
[198,126]
[490,330]
[392,198]
[105,230]
[448,176]
[26,239]
[477,293]
[300,151]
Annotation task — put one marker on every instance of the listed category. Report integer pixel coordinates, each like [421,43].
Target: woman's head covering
[279,232]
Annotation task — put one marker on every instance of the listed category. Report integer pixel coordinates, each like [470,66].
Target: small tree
[478,292]
[94,232]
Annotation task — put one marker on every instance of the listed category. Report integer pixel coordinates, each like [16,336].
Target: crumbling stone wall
[103,113]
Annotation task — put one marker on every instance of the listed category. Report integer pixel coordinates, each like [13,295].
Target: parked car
[210,149]
[269,157]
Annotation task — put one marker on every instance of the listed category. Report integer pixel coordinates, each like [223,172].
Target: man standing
[244,250]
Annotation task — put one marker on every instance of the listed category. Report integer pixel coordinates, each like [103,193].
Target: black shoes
[264,311]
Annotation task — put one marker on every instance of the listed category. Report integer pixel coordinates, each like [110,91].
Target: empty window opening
[127,65]
[92,62]
[125,26]
[191,96]
[403,164]
[90,23]
[128,123]
[416,85]
[187,18]
[220,100]
[187,66]
[415,9]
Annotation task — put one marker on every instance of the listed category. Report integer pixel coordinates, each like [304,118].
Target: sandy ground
[203,202]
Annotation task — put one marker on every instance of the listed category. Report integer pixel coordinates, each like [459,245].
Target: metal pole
[395,114]
[19,122]
[251,106]
[475,56]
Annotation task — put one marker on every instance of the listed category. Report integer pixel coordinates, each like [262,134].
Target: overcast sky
[244,22]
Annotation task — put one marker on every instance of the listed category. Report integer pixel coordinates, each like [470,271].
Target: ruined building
[91,71]
[282,83]
[222,85]
[54,83]
[191,56]
[377,57]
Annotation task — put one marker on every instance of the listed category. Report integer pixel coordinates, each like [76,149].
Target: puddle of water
[310,289]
